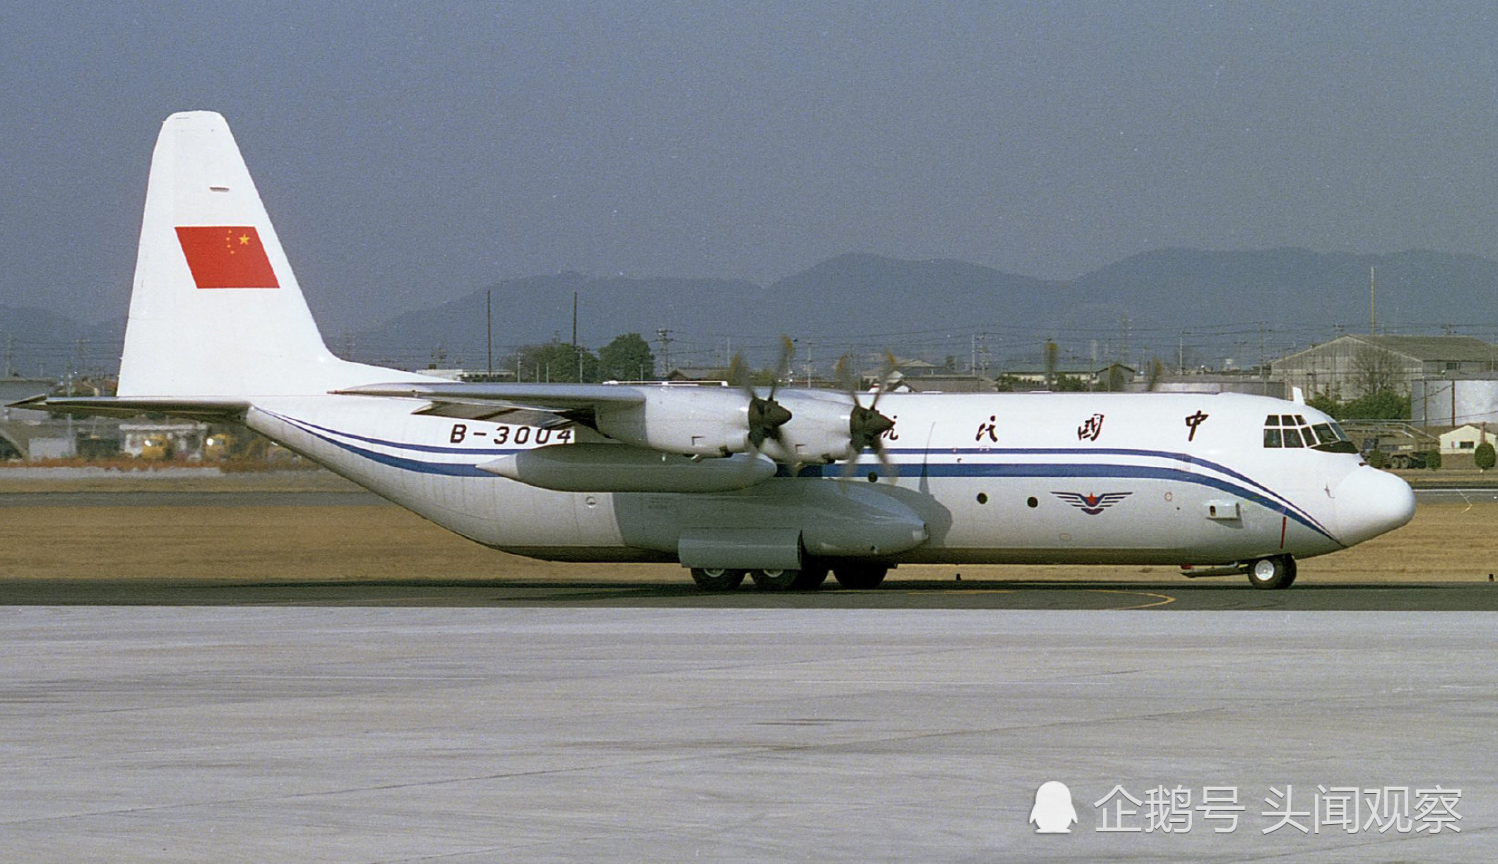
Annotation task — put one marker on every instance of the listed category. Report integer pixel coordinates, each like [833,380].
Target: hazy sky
[414,152]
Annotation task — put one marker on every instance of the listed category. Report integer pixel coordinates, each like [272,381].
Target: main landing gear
[1272,573]
[809,578]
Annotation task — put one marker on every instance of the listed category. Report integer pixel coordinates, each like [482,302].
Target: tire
[775,580]
[860,577]
[811,578]
[1272,574]
[717,579]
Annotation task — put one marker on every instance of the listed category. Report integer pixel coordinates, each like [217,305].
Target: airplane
[782,486]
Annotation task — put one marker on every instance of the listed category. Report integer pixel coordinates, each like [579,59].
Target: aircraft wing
[528,404]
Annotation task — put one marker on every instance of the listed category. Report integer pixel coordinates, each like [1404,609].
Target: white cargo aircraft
[779,486]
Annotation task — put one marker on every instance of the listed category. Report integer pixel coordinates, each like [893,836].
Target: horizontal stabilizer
[125,406]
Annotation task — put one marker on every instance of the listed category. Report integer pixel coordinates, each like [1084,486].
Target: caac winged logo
[1092,504]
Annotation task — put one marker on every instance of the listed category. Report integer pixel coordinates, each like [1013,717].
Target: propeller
[1156,372]
[766,416]
[866,426]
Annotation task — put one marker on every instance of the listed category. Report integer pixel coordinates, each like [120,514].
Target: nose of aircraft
[1371,502]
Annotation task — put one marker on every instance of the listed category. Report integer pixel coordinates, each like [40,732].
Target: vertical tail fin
[215,309]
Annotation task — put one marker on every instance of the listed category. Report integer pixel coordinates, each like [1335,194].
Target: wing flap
[543,397]
[544,405]
[504,414]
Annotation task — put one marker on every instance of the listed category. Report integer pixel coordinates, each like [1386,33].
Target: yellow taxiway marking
[1163,599]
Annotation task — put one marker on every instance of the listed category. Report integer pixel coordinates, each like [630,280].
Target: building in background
[1352,366]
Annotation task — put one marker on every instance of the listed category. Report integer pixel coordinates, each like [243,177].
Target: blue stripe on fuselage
[1267,499]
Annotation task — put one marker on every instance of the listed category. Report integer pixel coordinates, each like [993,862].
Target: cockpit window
[1292,430]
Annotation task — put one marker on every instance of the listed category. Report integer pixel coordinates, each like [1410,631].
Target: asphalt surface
[472,736]
[1234,594]
[526,720]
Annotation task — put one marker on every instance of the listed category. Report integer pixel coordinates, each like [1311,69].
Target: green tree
[1433,459]
[1484,455]
[627,358]
[1068,384]
[1377,459]
[1324,403]
[1380,405]
[557,362]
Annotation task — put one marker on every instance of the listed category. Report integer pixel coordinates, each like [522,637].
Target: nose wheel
[1271,574]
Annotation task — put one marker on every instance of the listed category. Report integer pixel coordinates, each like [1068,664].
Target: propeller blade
[738,374]
[783,363]
[891,470]
[866,426]
[886,378]
[766,416]
[846,378]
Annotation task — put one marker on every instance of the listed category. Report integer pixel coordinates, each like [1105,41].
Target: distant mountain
[1293,289]
[1162,303]
[539,308]
[857,294]
[1174,300]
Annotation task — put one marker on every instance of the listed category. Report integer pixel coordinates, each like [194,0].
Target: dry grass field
[1444,543]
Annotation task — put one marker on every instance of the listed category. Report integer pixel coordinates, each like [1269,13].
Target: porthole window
[1032,502]
[982,497]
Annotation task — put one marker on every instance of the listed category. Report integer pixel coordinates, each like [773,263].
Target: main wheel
[811,578]
[717,579]
[1272,573]
[775,580]
[860,576]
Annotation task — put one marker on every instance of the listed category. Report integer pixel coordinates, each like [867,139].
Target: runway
[197,675]
[234,734]
[1166,595]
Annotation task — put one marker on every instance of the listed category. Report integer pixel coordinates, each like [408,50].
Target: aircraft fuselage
[1165,479]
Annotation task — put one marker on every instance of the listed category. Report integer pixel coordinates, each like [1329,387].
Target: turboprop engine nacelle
[818,431]
[689,420]
[712,421]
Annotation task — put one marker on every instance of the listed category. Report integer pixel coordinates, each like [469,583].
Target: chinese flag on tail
[226,257]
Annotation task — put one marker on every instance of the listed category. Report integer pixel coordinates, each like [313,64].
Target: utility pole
[663,336]
[1263,373]
[1372,302]
[576,353]
[489,329]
